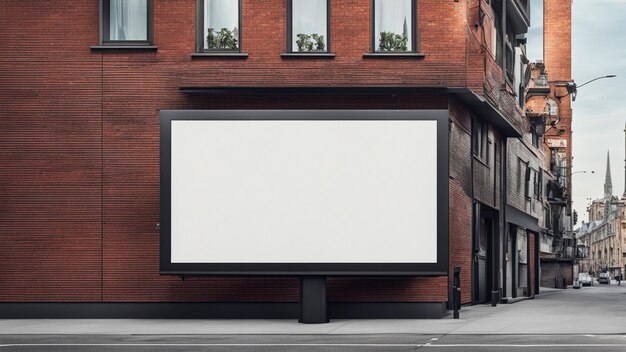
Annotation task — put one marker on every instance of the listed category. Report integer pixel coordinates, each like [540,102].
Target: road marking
[527,346]
[212,344]
[465,345]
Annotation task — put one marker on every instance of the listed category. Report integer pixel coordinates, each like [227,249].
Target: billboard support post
[313,306]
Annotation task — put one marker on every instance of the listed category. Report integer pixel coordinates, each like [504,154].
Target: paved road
[588,319]
[385,342]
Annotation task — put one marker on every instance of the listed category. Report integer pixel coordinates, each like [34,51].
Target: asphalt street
[587,319]
[376,342]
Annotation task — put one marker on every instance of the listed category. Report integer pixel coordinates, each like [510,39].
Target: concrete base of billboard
[193,310]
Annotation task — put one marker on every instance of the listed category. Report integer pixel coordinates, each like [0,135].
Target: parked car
[604,278]
[585,279]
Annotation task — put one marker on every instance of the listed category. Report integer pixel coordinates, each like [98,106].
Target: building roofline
[475,101]
[487,111]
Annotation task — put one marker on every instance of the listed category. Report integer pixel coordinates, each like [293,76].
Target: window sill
[220,55]
[393,55]
[124,48]
[481,160]
[307,55]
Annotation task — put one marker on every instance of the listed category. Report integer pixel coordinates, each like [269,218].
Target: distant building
[549,105]
[601,241]
[538,180]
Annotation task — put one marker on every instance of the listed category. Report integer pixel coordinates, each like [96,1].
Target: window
[528,180]
[509,57]
[498,29]
[520,168]
[394,26]
[126,22]
[219,25]
[536,139]
[552,107]
[480,143]
[308,26]
[538,181]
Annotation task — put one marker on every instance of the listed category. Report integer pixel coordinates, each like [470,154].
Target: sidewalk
[589,310]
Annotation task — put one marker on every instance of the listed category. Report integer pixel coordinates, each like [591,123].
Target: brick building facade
[79,141]
[558,254]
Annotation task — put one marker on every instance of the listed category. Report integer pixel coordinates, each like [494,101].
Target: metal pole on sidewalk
[456,291]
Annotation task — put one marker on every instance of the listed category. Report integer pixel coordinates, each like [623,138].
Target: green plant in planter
[210,39]
[390,41]
[319,42]
[224,39]
[312,42]
[304,42]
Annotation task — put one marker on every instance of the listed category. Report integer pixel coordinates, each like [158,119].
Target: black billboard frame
[440,268]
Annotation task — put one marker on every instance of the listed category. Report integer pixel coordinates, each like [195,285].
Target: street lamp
[572,87]
[583,172]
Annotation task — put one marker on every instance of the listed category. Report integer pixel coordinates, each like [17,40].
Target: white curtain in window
[394,16]
[308,17]
[219,14]
[128,20]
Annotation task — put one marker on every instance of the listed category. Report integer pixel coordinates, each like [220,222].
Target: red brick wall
[460,186]
[79,142]
[461,238]
[442,33]
[557,41]
[557,53]
[50,152]
[421,289]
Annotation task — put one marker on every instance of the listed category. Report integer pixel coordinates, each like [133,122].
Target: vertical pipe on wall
[514,261]
[528,259]
[475,246]
[537,268]
[502,225]
[495,258]
[503,35]
[101,168]
[474,266]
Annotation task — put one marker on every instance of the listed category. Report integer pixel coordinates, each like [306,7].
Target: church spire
[608,185]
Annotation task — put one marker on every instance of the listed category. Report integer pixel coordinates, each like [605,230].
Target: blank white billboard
[303,191]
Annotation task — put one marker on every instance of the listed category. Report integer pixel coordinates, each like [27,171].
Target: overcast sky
[598,49]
